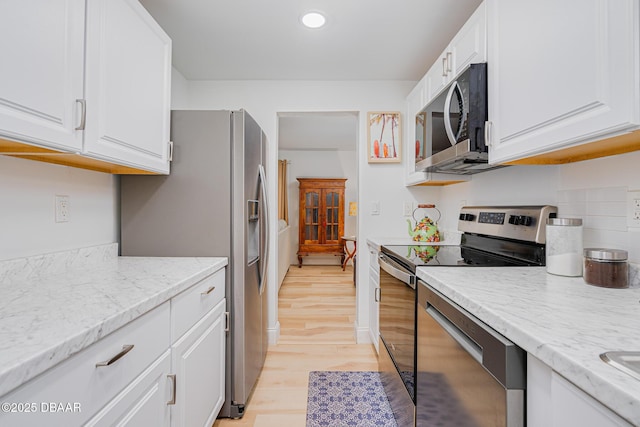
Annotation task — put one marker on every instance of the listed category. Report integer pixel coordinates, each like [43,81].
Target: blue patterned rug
[347,399]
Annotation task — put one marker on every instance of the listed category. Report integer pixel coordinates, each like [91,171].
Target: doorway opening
[318,145]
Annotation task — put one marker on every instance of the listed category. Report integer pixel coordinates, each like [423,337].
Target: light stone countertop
[56,305]
[562,321]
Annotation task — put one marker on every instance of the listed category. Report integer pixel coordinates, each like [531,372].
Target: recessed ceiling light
[313,20]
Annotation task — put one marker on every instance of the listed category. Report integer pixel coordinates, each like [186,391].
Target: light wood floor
[317,313]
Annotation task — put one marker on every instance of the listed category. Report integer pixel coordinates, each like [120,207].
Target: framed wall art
[384,136]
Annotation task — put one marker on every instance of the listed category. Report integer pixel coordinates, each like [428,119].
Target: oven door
[467,374]
[397,338]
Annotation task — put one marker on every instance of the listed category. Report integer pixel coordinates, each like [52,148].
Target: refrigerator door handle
[265,257]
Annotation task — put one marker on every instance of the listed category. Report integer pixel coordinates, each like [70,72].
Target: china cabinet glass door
[312,219]
[332,215]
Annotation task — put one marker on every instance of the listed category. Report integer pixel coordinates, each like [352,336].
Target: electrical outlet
[407,208]
[63,208]
[633,209]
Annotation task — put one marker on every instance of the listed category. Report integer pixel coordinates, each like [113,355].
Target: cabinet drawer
[79,383]
[191,305]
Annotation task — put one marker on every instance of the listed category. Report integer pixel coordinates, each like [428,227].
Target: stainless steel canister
[564,246]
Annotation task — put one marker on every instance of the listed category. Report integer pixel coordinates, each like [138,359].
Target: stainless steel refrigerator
[212,204]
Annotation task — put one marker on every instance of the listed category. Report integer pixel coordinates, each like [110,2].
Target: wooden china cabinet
[321,221]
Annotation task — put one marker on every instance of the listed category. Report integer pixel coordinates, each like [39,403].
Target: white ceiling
[264,40]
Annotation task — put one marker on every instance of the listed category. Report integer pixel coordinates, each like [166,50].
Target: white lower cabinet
[552,401]
[143,402]
[198,360]
[140,374]
[374,297]
[91,379]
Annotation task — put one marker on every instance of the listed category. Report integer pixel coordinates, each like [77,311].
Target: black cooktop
[447,256]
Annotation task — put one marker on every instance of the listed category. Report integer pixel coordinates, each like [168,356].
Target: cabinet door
[128,82]
[198,359]
[42,45]
[312,210]
[436,78]
[470,44]
[333,221]
[561,73]
[143,402]
[374,290]
[415,132]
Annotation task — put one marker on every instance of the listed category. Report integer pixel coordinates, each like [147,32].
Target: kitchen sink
[626,361]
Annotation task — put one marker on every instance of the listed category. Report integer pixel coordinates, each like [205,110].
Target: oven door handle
[403,276]
[460,337]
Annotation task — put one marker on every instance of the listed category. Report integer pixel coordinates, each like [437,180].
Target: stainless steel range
[420,351]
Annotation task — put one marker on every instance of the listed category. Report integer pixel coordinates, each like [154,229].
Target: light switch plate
[375,208]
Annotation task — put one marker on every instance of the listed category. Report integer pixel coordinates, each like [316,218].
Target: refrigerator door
[248,329]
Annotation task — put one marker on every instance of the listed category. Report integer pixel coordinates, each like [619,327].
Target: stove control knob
[467,217]
[526,220]
[513,219]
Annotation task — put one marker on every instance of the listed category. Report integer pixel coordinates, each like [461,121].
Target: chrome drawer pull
[172,377]
[125,349]
[207,292]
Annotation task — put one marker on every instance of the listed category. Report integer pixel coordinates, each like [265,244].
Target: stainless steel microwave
[450,131]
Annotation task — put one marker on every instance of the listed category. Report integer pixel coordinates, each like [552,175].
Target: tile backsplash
[604,215]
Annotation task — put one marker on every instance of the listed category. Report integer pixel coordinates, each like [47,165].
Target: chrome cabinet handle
[444,67]
[376,295]
[125,349]
[226,321]
[172,377]
[449,61]
[170,156]
[487,133]
[207,292]
[83,117]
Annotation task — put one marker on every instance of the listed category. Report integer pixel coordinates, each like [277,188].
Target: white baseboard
[273,334]
[362,335]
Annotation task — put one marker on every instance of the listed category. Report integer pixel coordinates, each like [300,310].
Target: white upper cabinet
[127,85]
[91,82]
[42,50]
[561,74]
[467,47]
[415,102]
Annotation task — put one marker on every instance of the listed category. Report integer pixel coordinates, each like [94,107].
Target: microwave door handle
[453,139]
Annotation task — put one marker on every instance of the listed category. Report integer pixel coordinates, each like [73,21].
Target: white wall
[382,182]
[320,164]
[27,217]
[179,91]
